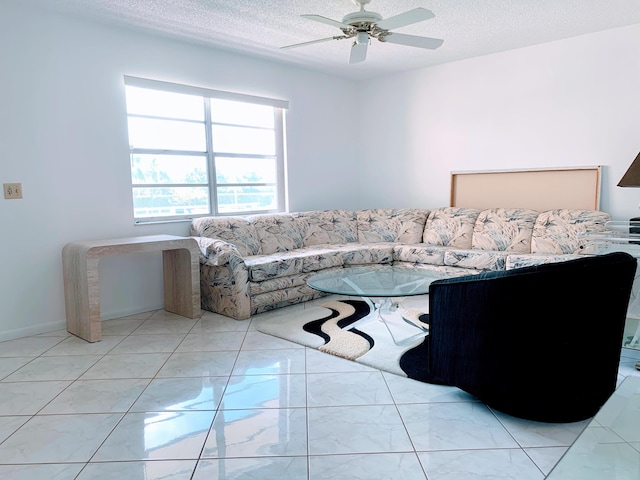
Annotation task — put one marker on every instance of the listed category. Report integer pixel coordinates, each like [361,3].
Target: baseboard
[62,325]
[125,312]
[32,330]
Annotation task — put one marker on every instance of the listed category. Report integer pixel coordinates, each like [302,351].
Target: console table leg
[82,296]
[181,283]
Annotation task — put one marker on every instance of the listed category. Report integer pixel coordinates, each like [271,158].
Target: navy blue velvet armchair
[541,343]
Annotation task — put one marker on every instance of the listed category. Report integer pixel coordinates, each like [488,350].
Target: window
[198,152]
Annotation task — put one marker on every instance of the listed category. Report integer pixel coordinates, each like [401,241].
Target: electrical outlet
[12,190]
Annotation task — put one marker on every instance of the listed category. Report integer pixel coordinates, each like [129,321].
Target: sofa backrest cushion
[391,225]
[504,229]
[557,231]
[450,227]
[328,227]
[235,230]
[278,232]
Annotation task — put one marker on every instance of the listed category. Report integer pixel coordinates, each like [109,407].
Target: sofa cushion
[504,229]
[328,227]
[278,232]
[278,283]
[420,253]
[443,269]
[520,260]
[404,225]
[477,259]
[368,253]
[557,231]
[237,231]
[304,260]
[450,226]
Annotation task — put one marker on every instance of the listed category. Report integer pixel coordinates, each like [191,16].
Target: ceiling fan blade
[407,18]
[412,40]
[358,52]
[296,45]
[328,21]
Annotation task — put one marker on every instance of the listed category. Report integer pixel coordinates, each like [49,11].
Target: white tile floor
[166,397]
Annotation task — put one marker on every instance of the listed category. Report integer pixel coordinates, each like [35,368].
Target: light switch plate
[12,190]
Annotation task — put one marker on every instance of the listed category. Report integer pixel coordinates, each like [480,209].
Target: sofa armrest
[216,252]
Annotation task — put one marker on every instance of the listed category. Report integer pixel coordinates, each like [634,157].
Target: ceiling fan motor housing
[357,19]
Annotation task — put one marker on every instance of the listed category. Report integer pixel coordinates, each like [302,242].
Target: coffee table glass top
[375,281]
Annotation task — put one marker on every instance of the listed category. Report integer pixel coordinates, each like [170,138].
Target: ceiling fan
[362,26]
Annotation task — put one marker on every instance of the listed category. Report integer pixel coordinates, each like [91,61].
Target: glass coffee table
[380,287]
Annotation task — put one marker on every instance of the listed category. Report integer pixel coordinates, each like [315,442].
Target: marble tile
[257,433]
[621,413]
[133,365]
[149,343]
[546,457]
[162,322]
[181,394]
[453,426]
[262,341]
[162,315]
[348,388]
[97,396]
[198,364]
[364,429]
[285,409]
[77,346]
[9,424]
[211,342]
[156,436]
[55,333]
[630,353]
[265,362]
[149,470]
[212,322]
[57,438]
[54,368]
[587,461]
[407,390]
[121,326]
[265,391]
[262,468]
[27,398]
[136,317]
[8,365]
[628,369]
[382,466]
[597,434]
[539,434]
[61,471]
[28,346]
[320,362]
[505,464]
[278,312]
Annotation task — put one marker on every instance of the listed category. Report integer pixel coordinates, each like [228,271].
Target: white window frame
[280,106]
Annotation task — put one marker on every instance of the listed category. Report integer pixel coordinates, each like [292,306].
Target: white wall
[568,103]
[389,142]
[63,134]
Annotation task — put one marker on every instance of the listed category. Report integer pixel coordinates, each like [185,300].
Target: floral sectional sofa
[257,263]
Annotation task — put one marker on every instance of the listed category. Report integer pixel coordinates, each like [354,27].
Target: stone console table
[181,271]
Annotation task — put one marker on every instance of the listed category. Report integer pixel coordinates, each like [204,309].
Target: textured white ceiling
[469,28]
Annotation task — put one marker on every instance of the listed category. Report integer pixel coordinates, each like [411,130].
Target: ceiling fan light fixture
[362,38]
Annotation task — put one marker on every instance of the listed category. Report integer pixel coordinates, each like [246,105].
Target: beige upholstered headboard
[536,189]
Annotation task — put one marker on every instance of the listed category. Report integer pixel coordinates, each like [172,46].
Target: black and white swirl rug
[323,327]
